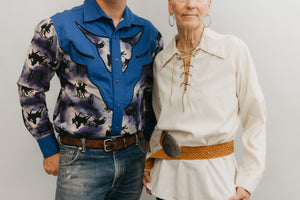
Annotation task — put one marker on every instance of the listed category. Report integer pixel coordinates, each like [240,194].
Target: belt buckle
[105,145]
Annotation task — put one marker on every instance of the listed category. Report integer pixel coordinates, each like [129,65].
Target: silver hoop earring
[171,20]
[206,21]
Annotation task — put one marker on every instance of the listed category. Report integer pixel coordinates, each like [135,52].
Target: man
[102,54]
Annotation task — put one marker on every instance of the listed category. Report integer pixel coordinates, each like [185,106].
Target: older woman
[205,85]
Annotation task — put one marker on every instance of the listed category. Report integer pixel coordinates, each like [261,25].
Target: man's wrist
[48,145]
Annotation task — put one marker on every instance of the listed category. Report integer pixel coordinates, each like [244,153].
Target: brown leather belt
[110,144]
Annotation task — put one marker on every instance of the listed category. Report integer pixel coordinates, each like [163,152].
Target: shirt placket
[116,63]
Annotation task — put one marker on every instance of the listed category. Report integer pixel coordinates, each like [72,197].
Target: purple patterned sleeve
[150,120]
[159,45]
[39,68]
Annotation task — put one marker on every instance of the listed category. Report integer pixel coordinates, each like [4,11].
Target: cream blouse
[223,92]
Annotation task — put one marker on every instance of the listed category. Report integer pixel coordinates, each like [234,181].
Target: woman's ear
[208,7]
[170,6]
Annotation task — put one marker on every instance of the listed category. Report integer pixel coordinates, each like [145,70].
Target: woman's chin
[189,25]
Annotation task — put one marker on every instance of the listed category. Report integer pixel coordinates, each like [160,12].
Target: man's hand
[51,164]
[146,179]
[241,194]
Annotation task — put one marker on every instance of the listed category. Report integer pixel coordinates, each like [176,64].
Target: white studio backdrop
[270,29]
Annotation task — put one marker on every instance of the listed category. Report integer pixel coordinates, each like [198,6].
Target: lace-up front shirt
[222,92]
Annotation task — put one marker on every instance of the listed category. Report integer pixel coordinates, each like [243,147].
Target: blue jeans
[99,175]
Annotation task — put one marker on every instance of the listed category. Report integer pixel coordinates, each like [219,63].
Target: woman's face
[189,13]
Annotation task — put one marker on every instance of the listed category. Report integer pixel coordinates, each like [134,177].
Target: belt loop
[83,144]
[136,139]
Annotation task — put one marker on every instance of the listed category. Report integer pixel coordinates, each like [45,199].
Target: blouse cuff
[248,181]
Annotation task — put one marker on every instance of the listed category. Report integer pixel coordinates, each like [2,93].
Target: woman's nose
[191,3]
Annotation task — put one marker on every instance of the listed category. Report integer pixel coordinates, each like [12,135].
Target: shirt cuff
[48,145]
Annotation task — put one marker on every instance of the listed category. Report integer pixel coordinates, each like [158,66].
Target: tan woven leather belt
[194,153]
[110,144]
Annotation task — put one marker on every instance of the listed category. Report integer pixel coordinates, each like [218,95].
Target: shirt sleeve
[253,112]
[40,66]
[150,120]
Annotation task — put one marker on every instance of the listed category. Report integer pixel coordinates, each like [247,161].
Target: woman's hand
[241,194]
[147,179]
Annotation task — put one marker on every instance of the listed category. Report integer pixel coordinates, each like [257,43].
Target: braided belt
[194,153]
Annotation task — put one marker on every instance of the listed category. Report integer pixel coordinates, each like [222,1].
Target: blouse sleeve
[253,113]
[155,96]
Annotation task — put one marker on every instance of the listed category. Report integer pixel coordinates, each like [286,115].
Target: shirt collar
[92,11]
[211,42]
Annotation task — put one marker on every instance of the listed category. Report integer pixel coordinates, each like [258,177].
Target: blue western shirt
[105,74]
